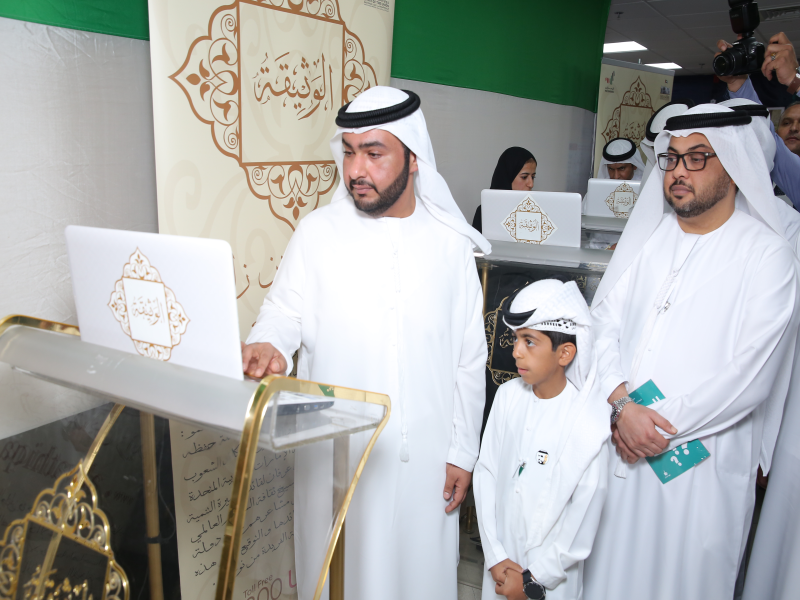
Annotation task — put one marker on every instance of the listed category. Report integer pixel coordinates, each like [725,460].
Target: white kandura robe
[519,426]
[724,344]
[774,568]
[391,306]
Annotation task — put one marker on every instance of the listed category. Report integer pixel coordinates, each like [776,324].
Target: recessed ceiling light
[664,65]
[622,47]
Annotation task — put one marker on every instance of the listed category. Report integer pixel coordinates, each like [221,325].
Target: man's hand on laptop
[260,360]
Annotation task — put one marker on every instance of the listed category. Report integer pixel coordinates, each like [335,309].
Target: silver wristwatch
[797,93]
[617,406]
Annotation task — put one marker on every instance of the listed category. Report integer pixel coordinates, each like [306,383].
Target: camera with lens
[747,54]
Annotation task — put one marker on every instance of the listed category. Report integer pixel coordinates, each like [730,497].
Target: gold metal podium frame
[35,323]
[256,412]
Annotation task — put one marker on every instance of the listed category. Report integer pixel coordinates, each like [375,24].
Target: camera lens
[744,57]
[730,62]
[723,65]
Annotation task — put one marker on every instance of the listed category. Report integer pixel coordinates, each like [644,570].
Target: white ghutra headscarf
[429,186]
[655,126]
[760,125]
[620,150]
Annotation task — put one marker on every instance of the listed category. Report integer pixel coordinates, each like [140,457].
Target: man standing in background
[621,160]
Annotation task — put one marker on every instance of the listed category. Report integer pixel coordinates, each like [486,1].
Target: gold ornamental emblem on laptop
[529,223]
[622,200]
[147,310]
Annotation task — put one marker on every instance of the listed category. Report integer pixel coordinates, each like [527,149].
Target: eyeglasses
[696,162]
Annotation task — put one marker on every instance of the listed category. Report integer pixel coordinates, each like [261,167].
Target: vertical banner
[245,94]
[629,95]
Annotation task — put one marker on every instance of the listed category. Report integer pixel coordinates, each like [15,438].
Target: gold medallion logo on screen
[622,200]
[147,310]
[529,223]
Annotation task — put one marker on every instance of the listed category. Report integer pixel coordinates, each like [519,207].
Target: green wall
[126,18]
[540,49]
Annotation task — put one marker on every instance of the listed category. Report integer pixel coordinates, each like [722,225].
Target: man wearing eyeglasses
[699,309]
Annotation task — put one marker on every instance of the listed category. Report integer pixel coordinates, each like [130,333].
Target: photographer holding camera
[779,62]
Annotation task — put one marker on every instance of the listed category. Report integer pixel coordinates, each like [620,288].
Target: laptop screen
[168,297]
[544,218]
[611,198]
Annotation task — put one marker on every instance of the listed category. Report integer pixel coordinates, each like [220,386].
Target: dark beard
[386,198]
[701,203]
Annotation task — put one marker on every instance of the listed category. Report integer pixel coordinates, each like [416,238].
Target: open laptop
[611,198]
[546,218]
[164,296]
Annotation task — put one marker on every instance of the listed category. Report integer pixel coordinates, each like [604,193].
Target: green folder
[670,464]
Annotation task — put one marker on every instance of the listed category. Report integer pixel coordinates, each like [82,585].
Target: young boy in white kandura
[541,479]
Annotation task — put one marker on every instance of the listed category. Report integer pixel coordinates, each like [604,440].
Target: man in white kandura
[621,160]
[379,291]
[701,304]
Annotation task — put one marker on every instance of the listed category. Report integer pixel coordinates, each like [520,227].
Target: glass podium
[183,485]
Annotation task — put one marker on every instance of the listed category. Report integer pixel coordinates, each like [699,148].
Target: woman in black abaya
[515,170]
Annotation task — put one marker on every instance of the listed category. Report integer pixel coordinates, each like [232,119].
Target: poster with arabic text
[245,94]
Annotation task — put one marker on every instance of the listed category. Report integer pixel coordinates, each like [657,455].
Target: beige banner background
[244,99]
[629,95]
[244,95]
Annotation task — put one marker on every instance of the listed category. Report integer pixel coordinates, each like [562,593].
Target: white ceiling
[685,31]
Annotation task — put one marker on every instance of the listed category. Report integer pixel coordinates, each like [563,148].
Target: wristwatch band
[794,87]
[532,588]
[617,406]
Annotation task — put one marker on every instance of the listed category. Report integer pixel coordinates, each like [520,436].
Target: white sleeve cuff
[493,556]
[539,572]
[609,383]
[461,459]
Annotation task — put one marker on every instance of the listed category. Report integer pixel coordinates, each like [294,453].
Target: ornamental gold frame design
[623,187]
[67,509]
[529,205]
[635,97]
[490,328]
[292,188]
[256,412]
[139,267]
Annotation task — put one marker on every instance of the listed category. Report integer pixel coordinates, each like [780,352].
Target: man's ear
[566,354]
[413,167]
